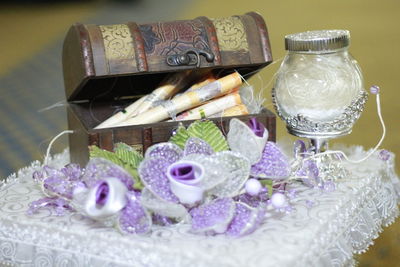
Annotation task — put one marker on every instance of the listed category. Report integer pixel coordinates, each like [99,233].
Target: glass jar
[319,90]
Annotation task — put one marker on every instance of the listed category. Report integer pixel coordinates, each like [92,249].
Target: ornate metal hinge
[189,57]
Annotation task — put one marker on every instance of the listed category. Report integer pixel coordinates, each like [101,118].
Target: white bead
[374,89]
[253,187]
[278,200]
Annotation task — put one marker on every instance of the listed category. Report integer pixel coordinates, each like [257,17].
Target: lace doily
[325,229]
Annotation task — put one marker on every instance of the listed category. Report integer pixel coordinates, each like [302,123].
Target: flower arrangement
[217,184]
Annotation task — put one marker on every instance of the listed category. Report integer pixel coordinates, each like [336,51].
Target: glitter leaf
[180,137]
[210,133]
[124,156]
[128,154]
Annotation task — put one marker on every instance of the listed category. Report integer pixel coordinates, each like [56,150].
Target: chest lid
[114,61]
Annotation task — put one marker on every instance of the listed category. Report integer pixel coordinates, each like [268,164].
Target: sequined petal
[237,170]
[213,217]
[99,168]
[162,207]
[273,164]
[134,219]
[153,173]
[54,204]
[242,139]
[246,219]
[72,171]
[59,182]
[310,173]
[196,145]
[168,151]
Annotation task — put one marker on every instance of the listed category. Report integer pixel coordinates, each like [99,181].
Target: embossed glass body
[319,87]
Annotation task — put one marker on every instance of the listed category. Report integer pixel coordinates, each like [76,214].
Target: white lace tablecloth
[325,229]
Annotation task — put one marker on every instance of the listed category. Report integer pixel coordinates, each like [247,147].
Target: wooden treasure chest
[108,67]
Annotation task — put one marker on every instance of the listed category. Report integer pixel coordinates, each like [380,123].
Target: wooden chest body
[107,67]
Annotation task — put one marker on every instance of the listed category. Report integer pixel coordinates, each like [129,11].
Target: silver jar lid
[317,41]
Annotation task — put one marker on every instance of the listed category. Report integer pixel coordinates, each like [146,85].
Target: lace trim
[344,222]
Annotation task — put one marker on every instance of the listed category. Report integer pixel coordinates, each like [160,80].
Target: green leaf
[96,152]
[180,137]
[269,185]
[210,133]
[128,154]
[131,159]
[124,156]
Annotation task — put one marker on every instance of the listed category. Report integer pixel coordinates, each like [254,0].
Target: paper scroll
[232,111]
[186,101]
[204,82]
[122,115]
[198,85]
[212,107]
[172,84]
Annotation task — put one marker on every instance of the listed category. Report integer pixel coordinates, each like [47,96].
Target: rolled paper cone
[171,85]
[232,111]
[222,86]
[198,85]
[212,107]
[121,115]
[201,84]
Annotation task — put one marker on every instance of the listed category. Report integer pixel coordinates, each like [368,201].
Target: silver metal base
[319,145]
[318,135]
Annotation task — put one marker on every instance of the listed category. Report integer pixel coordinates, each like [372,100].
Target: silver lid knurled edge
[317,41]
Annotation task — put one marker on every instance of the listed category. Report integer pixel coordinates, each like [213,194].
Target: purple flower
[60,183]
[221,174]
[185,179]
[105,199]
[248,141]
[196,180]
[103,192]
[267,160]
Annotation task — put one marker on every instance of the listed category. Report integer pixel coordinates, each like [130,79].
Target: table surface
[325,228]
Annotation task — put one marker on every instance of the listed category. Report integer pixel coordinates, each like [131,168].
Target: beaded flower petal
[273,164]
[134,219]
[168,151]
[59,182]
[246,219]
[196,145]
[310,173]
[99,168]
[213,217]
[153,173]
[56,204]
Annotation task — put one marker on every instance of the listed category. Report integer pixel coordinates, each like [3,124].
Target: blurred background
[32,32]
